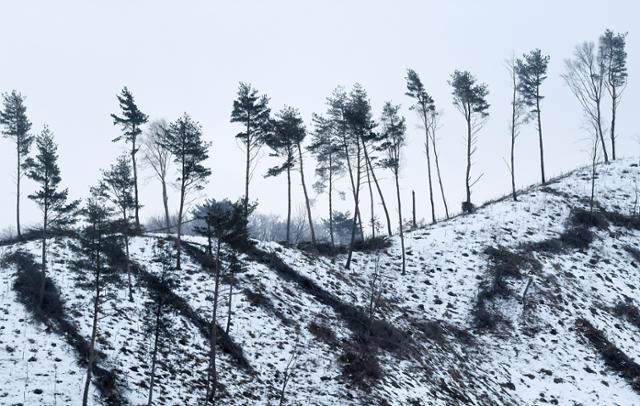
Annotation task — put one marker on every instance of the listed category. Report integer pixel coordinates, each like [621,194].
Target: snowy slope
[453,330]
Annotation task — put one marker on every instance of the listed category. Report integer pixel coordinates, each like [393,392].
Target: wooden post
[413,197]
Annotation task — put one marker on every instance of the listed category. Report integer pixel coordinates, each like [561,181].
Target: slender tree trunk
[135,184]
[179,225]
[331,199]
[306,197]
[593,174]
[226,330]
[288,240]
[165,201]
[156,345]
[468,174]
[126,245]
[353,184]
[373,218]
[356,210]
[540,139]
[614,106]
[413,200]
[213,377]
[375,180]
[435,155]
[512,168]
[247,170]
[44,250]
[400,220]
[18,176]
[426,147]
[600,133]
[94,331]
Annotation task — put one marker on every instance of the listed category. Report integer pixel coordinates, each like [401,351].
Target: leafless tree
[584,74]
[158,158]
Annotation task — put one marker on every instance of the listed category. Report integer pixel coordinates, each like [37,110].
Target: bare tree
[156,156]
[584,74]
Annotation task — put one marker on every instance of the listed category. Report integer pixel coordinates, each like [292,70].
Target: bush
[360,365]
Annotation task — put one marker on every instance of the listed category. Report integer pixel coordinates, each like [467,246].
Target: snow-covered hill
[457,328]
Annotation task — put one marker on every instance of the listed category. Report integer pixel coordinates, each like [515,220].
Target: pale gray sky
[71,58]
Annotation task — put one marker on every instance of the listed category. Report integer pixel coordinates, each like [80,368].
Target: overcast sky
[71,58]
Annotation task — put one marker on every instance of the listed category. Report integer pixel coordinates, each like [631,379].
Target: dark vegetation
[52,314]
[368,335]
[503,265]
[181,306]
[615,359]
[628,311]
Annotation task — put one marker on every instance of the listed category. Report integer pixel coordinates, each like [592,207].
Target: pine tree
[470,98]
[614,57]
[327,149]
[393,140]
[532,71]
[130,122]
[189,151]
[425,107]
[359,126]
[225,222]
[516,119]
[285,140]
[252,112]
[118,187]
[13,117]
[57,212]
[97,216]
[337,104]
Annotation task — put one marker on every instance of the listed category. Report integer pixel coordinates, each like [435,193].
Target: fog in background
[71,58]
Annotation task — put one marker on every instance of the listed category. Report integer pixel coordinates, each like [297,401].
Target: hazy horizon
[70,59]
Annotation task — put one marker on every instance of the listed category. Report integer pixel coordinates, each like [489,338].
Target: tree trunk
[600,134]
[435,155]
[373,218]
[468,174]
[512,168]
[356,211]
[135,184]
[94,331]
[614,105]
[426,147]
[18,176]
[288,240]
[306,197]
[156,345]
[226,330]
[375,180]
[213,378]
[44,251]
[353,184]
[165,201]
[540,138]
[331,199]
[400,220]
[247,171]
[179,225]
[126,245]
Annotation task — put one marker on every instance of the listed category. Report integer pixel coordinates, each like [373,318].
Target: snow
[539,358]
